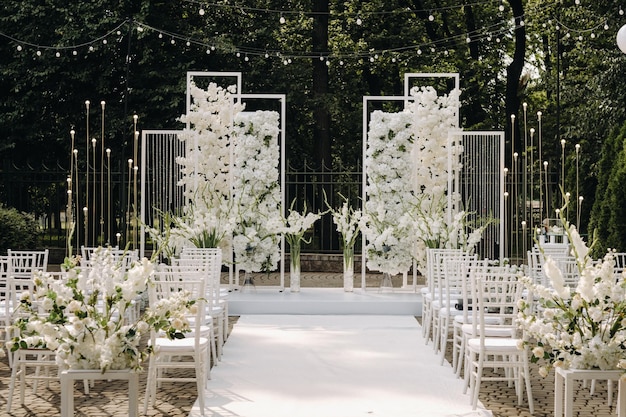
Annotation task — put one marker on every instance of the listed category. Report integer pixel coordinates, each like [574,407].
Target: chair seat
[495,331]
[164,344]
[459,319]
[503,345]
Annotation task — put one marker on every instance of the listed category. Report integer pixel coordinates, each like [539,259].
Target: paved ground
[109,398]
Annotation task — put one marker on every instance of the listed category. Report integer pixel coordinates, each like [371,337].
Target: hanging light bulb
[58,54]
[267,55]
[173,41]
[208,51]
[238,55]
[74,53]
[419,52]
[38,53]
[621,11]
[606,26]
[282,19]
[359,21]
[201,12]
[341,62]
[19,48]
[160,36]
[104,41]
[188,43]
[246,58]
[431,17]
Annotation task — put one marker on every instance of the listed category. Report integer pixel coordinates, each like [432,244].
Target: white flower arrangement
[435,117]
[256,188]
[294,227]
[582,327]
[384,222]
[84,316]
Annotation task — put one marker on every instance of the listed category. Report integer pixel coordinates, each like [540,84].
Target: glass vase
[348,268]
[248,282]
[386,285]
[294,268]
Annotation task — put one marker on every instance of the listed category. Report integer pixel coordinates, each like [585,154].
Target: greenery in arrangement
[17,230]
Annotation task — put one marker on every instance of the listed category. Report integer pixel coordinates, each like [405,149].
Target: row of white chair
[474,304]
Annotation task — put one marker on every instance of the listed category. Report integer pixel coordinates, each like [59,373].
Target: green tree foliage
[574,78]
[609,210]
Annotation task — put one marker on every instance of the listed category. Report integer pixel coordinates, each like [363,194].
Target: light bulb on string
[359,21]
[246,58]
[19,48]
[621,11]
[139,28]
[104,41]
[160,36]
[208,51]
[238,55]
[201,12]
[282,19]
[431,17]
[267,55]
[419,52]
[74,53]
[606,26]
[577,2]
[593,35]
[91,48]
[173,41]
[188,43]
[341,62]
[57,54]
[38,53]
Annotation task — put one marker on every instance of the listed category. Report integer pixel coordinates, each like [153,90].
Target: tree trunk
[513,76]
[321,115]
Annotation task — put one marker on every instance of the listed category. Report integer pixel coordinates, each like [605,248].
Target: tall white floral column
[256,190]
[385,223]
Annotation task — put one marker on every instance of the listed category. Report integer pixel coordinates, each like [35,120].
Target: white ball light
[201,12]
[19,48]
[621,39]
[359,21]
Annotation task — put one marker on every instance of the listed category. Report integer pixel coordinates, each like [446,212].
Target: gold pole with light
[128,208]
[93,200]
[86,206]
[108,234]
[102,240]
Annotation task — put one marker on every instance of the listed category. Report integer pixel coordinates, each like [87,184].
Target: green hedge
[18,230]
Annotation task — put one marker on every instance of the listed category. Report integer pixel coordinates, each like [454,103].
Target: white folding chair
[164,364]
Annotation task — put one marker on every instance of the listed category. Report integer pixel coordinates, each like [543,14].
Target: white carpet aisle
[332,366]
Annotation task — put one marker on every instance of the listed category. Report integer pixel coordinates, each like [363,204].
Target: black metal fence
[42,191]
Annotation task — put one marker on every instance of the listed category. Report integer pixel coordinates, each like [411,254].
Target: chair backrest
[620,262]
[22,264]
[496,293]
[435,261]
[163,287]
[212,261]
[458,272]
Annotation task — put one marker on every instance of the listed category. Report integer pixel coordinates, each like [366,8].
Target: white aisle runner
[332,366]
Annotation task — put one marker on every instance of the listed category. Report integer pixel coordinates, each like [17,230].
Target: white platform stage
[332,366]
[270,300]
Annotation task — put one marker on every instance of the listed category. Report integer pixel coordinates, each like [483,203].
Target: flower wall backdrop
[385,223]
[231,179]
[408,160]
[256,188]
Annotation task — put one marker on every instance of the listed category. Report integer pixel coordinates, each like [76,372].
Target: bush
[18,230]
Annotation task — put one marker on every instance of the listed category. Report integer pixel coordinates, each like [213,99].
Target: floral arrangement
[293,227]
[88,316]
[347,221]
[582,327]
[256,186]
[434,156]
[384,222]
[201,225]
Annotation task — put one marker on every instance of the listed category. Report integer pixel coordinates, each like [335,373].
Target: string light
[201,12]
[499,30]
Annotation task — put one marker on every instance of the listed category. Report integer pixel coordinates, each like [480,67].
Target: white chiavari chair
[496,294]
[165,364]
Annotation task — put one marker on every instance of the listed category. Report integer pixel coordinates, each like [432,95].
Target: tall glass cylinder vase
[348,268]
[386,285]
[294,268]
